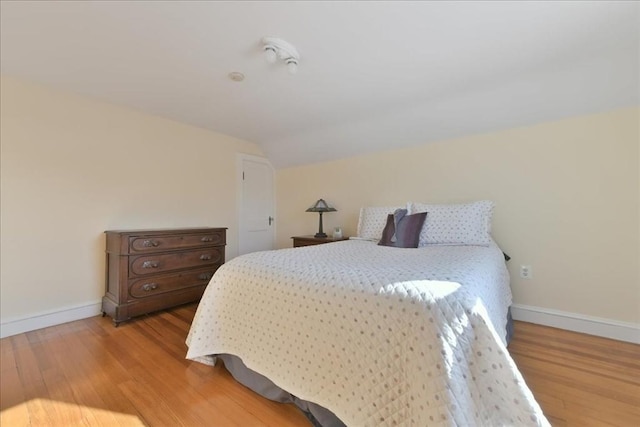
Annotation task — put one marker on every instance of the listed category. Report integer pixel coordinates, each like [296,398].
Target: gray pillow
[402,230]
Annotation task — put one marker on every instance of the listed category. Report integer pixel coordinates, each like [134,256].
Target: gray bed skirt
[317,415]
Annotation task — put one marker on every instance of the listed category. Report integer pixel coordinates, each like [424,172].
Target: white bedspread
[380,336]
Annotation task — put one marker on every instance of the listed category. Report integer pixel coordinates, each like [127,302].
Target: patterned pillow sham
[372,221]
[402,230]
[461,224]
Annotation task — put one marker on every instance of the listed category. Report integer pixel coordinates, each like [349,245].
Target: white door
[257,226]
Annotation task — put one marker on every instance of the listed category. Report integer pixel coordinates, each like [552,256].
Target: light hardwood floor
[88,373]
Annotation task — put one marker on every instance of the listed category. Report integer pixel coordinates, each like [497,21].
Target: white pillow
[372,221]
[463,224]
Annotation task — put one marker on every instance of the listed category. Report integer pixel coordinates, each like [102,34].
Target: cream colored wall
[72,167]
[566,193]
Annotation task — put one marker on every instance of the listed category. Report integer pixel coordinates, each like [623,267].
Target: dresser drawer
[141,244]
[152,286]
[153,264]
[300,243]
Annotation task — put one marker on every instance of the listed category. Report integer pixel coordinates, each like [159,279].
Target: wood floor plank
[60,391]
[154,410]
[597,380]
[616,363]
[32,383]
[581,411]
[572,393]
[594,382]
[12,410]
[7,358]
[11,388]
[218,395]
[89,373]
[604,369]
[262,408]
[106,377]
[90,383]
[551,405]
[598,348]
[162,372]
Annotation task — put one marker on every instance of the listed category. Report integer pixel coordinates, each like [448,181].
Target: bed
[359,334]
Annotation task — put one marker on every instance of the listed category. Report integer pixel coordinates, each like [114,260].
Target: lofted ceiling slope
[372,75]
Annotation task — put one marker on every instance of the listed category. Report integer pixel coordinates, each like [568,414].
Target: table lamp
[321,207]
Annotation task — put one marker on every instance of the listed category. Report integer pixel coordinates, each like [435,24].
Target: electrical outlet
[526,272]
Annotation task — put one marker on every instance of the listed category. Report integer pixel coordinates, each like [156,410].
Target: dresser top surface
[151,231]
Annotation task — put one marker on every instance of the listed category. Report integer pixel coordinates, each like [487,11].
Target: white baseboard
[622,331]
[44,320]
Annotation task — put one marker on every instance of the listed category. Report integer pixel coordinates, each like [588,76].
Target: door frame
[240,159]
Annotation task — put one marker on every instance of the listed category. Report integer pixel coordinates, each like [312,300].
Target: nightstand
[299,241]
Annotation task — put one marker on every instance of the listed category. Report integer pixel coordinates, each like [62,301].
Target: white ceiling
[372,75]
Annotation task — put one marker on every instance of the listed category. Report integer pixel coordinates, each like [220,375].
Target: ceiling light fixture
[236,76]
[275,49]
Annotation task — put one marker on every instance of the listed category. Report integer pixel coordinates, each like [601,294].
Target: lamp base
[320,235]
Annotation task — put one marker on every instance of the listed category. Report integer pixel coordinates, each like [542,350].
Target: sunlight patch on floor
[52,412]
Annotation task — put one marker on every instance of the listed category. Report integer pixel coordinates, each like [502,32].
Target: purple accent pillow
[406,234]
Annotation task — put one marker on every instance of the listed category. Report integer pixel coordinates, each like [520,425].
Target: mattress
[376,335]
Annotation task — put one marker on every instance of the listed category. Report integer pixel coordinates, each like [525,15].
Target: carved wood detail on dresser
[150,270]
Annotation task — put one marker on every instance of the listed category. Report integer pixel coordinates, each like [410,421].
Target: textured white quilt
[380,336]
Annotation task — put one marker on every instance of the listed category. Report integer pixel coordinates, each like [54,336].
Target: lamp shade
[321,206]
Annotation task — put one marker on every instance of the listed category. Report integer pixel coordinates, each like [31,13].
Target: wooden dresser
[149,270]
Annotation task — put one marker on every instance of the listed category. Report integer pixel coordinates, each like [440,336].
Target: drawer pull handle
[150,264]
[149,287]
[206,239]
[205,276]
[205,257]
[150,243]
